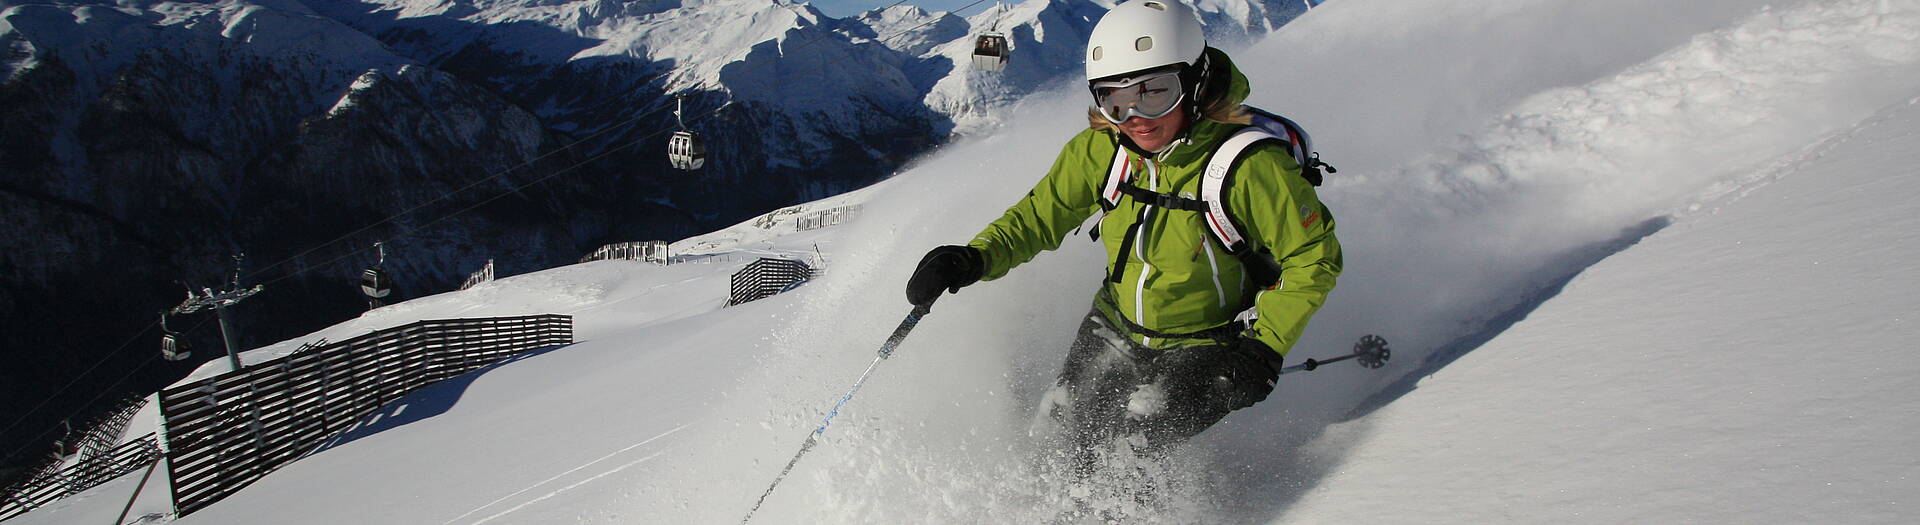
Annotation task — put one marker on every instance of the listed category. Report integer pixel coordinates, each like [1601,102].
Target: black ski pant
[1112,388]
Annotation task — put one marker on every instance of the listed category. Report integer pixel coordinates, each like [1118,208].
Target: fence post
[136,491]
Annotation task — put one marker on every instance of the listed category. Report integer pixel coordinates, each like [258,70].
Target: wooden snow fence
[225,432]
[765,277]
[650,251]
[98,468]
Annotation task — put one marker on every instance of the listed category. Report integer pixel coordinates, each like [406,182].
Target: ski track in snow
[564,474]
[575,485]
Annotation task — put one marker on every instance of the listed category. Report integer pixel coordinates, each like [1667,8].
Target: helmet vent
[1157,5]
[1143,43]
[1096,52]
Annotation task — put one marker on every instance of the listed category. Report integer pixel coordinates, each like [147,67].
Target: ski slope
[1640,262]
[1751,363]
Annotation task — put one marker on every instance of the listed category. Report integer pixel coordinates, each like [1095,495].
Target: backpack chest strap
[1163,200]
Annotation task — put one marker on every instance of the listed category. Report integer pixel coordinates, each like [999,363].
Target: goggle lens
[1150,97]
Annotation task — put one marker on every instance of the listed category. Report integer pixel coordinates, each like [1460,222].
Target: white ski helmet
[1144,34]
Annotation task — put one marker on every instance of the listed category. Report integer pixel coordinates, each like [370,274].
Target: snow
[1634,268]
[1748,364]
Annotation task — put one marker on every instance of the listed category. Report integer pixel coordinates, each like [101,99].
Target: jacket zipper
[1214,265]
[1140,243]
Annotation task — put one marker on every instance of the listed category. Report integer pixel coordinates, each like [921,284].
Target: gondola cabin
[685,151]
[174,347]
[376,283]
[990,52]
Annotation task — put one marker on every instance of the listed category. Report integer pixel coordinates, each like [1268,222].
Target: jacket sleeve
[1287,219]
[1060,202]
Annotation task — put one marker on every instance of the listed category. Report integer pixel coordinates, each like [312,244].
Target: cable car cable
[444,196]
[89,404]
[618,125]
[451,193]
[517,188]
[423,226]
[76,379]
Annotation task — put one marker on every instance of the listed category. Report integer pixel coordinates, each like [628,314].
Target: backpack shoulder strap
[1119,171]
[1221,224]
[1220,167]
[1213,186]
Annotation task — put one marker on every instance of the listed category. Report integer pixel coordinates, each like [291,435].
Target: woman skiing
[1186,327]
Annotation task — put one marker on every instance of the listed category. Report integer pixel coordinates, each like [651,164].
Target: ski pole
[1371,350]
[886,350]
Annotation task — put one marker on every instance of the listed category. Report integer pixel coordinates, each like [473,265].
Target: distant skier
[1184,329]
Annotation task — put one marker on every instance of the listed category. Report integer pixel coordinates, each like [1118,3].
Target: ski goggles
[1151,96]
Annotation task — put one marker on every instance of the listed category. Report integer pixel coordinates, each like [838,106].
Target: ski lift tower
[219,301]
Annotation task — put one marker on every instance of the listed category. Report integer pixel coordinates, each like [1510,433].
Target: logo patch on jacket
[1311,215]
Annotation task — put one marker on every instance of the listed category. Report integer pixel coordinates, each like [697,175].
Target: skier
[1183,329]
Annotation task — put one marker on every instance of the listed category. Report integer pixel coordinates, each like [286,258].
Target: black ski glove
[944,268]
[1252,369]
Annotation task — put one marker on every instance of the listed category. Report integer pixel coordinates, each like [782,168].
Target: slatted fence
[478,277]
[105,434]
[651,251]
[825,218]
[764,277]
[225,432]
[88,473]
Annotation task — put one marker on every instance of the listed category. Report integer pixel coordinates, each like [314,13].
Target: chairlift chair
[990,51]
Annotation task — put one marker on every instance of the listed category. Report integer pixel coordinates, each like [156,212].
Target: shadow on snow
[427,402]
[1265,487]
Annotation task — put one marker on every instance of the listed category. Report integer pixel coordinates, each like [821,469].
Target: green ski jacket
[1177,280]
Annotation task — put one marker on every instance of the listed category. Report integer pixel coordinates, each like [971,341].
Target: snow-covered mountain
[1047,38]
[147,141]
[1633,269]
[778,84]
[169,133]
